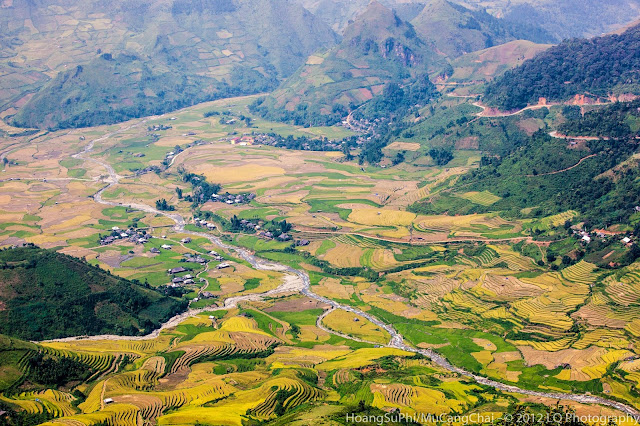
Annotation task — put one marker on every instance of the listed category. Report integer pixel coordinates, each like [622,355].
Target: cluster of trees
[304,143]
[202,190]
[441,156]
[164,206]
[610,121]
[399,101]
[304,114]
[598,66]
[56,371]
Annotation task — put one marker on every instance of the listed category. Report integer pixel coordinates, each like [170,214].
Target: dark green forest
[599,66]
[620,120]
[50,295]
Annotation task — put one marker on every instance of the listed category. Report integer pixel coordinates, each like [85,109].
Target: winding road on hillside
[297,281]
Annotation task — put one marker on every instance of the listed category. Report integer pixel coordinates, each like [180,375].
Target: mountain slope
[112,89]
[561,19]
[570,18]
[489,63]
[340,13]
[197,39]
[377,48]
[455,30]
[600,67]
[46,295]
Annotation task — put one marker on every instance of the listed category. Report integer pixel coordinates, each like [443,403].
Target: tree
[399,159]
[163,205]
[441,156]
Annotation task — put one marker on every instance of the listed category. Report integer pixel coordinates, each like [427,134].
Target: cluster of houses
[132,235]
[233,198]
[195,258]
[219,258]
[271,236]
[283,238]
[362,125]
[586,237]
[159,128]
[204,224]
[245,140]
[180,280]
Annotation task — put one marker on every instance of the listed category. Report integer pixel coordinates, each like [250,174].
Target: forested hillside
[184,48]
[597,67]
[545,176]
[112,89]
[620,120]
[379,47]
[46,295]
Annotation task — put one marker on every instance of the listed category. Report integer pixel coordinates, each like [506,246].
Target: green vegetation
[573,67]
[549,176]
[620,120]
[225,51]
[50,295]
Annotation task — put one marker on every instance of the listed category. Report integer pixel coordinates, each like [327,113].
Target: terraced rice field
[484,198]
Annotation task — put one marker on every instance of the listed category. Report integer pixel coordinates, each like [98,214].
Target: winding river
[297,281]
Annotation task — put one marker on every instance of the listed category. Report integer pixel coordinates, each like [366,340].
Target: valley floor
[428,314]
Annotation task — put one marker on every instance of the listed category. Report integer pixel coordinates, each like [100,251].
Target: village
[133,235]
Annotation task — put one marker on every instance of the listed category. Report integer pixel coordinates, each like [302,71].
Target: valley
[311,212]
[372,225]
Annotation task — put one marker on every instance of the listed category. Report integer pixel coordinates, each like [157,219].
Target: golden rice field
[356,326]
[496,312]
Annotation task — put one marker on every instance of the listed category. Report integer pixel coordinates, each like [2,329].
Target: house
[223,266]
[108,401]
[188,277]
[107,240]
[302,243]
[177,270]
[177,280]
[211,226]
[214,253]
[626,240]
[115,228]
[189,282]
[185,240]
[155,250]
[166,246]
[586,239]
[284,237]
